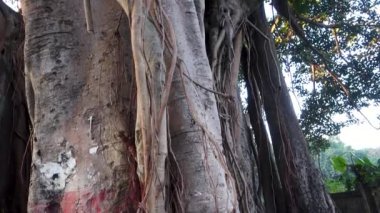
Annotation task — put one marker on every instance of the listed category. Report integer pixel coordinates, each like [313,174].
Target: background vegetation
[340,156]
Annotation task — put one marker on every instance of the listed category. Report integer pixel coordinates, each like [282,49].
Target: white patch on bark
[93,150]
[55,174]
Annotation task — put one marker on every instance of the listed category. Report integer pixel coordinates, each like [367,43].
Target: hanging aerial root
[88,14]
[207,134]
[169,77]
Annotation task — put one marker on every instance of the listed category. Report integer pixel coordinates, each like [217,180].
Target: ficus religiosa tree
[134,106]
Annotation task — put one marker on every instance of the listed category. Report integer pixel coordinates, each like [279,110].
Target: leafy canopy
[336,69]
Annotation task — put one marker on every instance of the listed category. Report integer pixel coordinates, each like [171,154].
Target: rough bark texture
[81,97]
[224,44]
[237,138]
[14,118]
[270,184]
[195,128]
[301,181]
[151,127]
[136,115]
[246,166]
[195,141]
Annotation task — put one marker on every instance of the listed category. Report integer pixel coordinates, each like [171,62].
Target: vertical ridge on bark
[225,42]
[198,138]
[237,141]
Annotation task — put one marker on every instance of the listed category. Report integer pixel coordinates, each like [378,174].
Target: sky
[358,136]
[363,135]
[12,4]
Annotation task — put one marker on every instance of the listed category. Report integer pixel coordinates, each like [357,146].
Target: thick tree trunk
[246,165]
[301,181]
[274,199]
[201,184]
[14,118]
[225,39]
[237,138]
[81,96]
[187,150]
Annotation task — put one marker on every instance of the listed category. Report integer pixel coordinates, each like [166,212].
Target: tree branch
[336,25]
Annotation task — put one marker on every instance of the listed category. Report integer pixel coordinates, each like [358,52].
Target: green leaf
[339,164]
[364,161]
[334,186]
[367,161]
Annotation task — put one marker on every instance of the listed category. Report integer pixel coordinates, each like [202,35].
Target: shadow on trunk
[14,119]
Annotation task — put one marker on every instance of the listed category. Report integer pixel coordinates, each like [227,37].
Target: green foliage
[347,79]
[368,172]
[335,186]
[339,164]
[303,6]
[361,170]
[323,159]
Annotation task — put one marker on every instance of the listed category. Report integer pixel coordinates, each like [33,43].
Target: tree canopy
[334,61]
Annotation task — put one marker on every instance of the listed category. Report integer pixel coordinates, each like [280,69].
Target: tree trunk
[237,138]
[151,126]
[81,98]
[140,114]
[270,183]
[202,183]
[302,183]
[14,119]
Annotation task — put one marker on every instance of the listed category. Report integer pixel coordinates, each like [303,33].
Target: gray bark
[80,94]
[151,127]
[301,181]
[185,152]
[195,127]
[270,184]
[195,135]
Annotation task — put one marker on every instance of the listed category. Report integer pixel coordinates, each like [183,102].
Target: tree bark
[133,116]
[270,183]
[151,125]
[195,135]
[301,181]
[81,98]
[237,138]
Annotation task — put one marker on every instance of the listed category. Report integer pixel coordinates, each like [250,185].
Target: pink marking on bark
[86,200]
[69,200]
